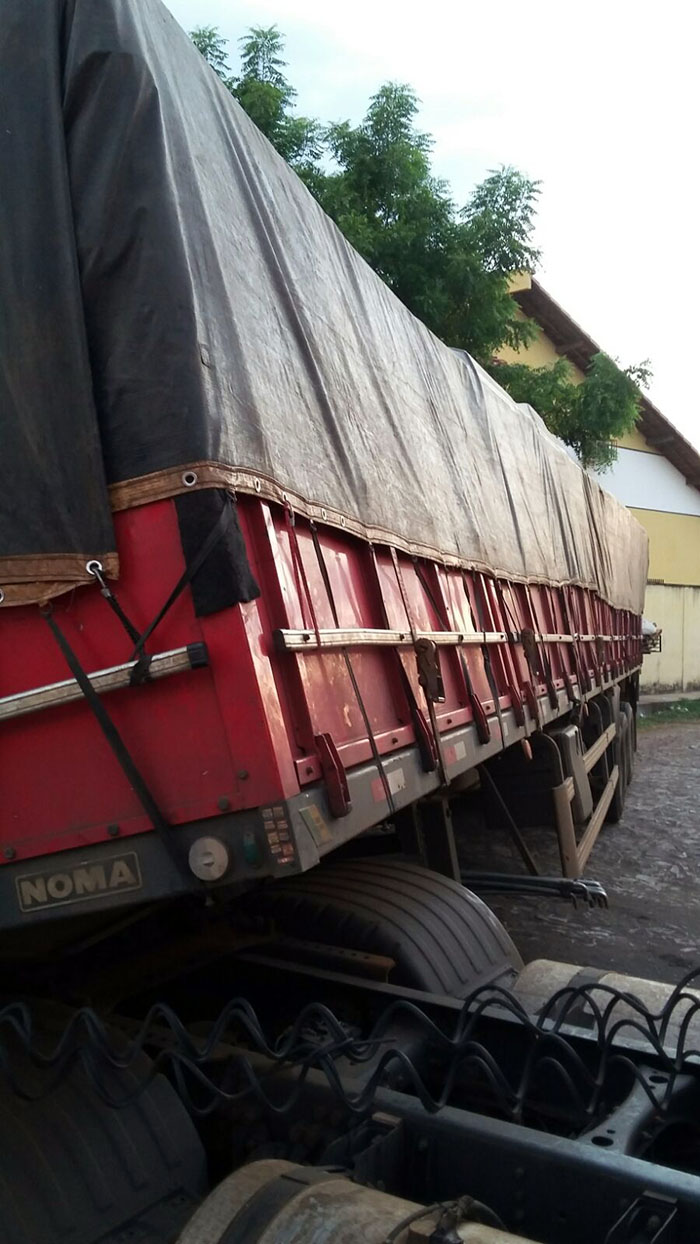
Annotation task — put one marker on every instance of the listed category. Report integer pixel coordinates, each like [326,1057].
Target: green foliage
[678,712]
[264,92]
[261,59]
[451,267]
[500,217]
[588,416]
[212,45]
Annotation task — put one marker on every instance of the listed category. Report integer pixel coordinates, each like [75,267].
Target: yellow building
[657,475]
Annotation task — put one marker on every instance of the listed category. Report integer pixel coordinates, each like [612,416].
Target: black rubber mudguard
[442,938]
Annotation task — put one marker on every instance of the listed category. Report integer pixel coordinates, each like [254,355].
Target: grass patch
[675,713]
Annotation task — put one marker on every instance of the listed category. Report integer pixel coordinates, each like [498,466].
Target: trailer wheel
[442,938]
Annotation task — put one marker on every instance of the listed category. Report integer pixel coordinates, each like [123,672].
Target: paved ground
[649,864]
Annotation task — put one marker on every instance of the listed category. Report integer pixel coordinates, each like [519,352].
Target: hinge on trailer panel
[531,700]
[424,739]
[530,649]
[426,742]
[600,650]
[549,681]
[535,664]
[571,695]
[334,774]
[483,729]
[651,1219]
[551,691]
[429,674]
[527,638]
[516,701]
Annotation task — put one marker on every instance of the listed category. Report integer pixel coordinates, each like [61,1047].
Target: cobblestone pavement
[649,864]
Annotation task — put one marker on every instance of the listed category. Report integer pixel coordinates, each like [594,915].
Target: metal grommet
[189,478]
[285,498]
[257,485]
[342,522]
[2,596]
[324,515]
[94,568]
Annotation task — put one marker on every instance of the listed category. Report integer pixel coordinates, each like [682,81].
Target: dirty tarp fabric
[174,300]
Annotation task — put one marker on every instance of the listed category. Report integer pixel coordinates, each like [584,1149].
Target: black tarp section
[173,298]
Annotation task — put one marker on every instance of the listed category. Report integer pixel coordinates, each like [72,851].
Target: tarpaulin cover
[174,301]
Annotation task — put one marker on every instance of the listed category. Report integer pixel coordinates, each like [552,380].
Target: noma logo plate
[58,888]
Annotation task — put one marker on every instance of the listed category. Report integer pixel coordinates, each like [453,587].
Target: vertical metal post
[407,825]
[566,834]
[439,849]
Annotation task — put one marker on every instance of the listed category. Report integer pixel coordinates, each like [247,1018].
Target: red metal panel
[193,735]
[258,723]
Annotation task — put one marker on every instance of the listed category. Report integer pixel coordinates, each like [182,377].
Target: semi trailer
[281,578]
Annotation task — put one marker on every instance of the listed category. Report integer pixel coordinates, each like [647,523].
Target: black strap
[131,630]
[139,674]
[525,854]
[117,744]
[217,532]
[264,1205]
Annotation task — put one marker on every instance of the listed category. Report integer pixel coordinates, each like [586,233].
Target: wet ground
[649,864]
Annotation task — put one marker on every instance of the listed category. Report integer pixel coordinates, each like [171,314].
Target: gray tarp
[173,298]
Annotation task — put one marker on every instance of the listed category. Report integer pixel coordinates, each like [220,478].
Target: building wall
[667,507]
[635,440]
[539,353]
[669,510]
[650,482]
[674,546]
[676,609]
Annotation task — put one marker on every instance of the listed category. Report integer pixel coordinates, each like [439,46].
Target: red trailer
[358,683]
[276,565]
[280,575]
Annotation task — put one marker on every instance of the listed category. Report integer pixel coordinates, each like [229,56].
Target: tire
[442,938]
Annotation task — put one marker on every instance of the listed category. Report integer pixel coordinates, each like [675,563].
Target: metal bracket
[651,1219]
[531,701]
[425,741]
[527,637]
[600,650]
[115,678]
[535,663]
[429,674]
[334,774]
[516,703]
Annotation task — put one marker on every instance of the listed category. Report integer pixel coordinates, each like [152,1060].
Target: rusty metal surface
[247,1208]
[649,864]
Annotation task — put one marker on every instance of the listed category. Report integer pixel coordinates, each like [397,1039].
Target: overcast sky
[599,101]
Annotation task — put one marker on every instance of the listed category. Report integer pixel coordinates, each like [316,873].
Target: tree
[451,269]
[212,45]
[264,92]
[588,416]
